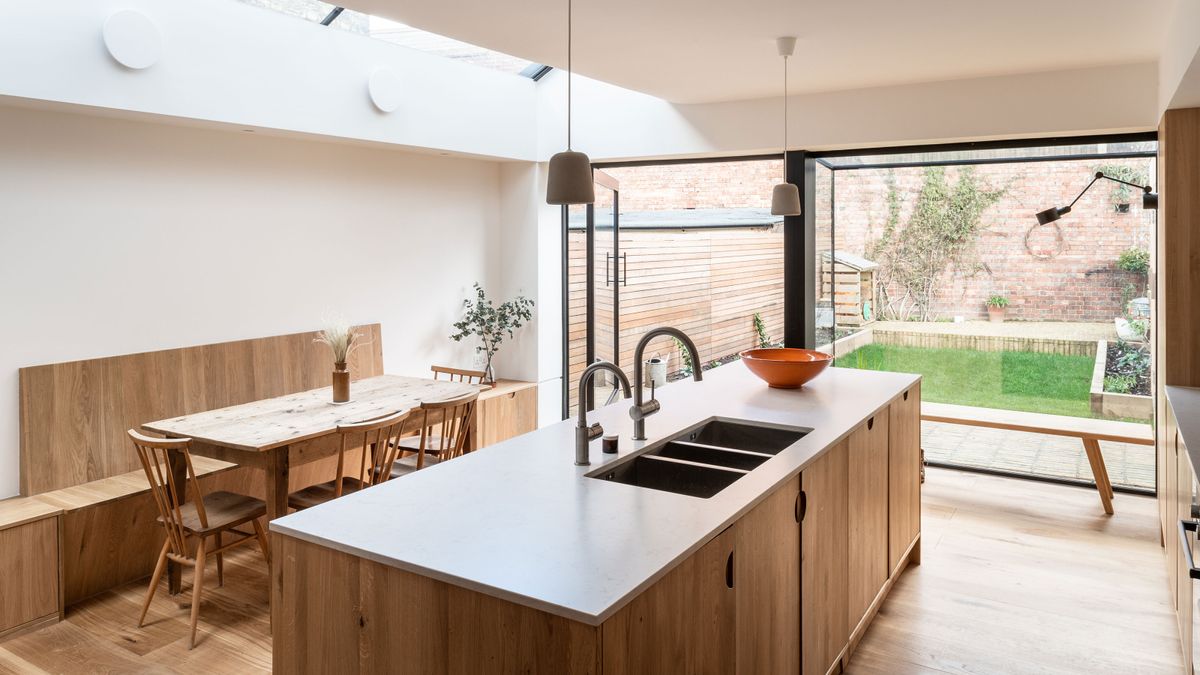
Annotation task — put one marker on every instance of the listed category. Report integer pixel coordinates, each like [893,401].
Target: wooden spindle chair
[378,438]
[202,518]
[444,431]
[458,374]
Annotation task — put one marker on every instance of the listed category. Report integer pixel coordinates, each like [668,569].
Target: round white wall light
[385,89]
[132,39]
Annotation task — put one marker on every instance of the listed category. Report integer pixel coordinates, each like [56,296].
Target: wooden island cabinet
[789,587]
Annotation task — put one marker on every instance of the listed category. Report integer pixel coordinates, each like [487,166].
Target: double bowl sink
[703,459]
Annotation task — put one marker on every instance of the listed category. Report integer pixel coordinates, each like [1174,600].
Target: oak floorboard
[1016,577]
[1024,577]
[11,664]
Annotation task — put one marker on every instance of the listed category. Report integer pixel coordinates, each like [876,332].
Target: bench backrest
[74,415]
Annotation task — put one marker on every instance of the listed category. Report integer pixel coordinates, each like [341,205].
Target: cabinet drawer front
[868,497]
[507,415]
[684,623]
[29,585]
[824,560]
[904,474]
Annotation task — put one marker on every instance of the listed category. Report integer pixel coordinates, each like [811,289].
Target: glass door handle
[616,274]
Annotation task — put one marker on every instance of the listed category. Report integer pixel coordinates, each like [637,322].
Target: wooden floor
[1018,577]
[1025,577]
[101,635]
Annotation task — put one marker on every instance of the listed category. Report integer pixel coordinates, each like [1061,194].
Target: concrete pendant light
[785,198]
[570,179]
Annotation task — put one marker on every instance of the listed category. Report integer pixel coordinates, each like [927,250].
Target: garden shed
[848,284]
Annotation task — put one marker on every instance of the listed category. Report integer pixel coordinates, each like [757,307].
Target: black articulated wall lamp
[1149,199]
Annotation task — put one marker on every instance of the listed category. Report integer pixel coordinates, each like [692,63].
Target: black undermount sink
[740,435]
[704,459]
[707,454]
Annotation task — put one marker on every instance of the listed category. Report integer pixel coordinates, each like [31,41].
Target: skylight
[405,36]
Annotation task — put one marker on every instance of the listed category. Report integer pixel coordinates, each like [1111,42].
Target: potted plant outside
[491,324]
[1123,194]
[997,306]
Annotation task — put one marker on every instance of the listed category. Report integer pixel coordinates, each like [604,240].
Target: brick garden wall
[1075,280]
[708,185]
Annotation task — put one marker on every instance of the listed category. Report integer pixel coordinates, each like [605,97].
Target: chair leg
[197,584]
[262,540]
[154,579]
[220,563]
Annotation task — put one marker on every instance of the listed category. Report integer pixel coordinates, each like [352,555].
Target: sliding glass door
[692,245]
[594,277]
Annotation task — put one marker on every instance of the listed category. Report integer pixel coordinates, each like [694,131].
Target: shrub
[760,330]
[1134,260]
[939,236]
[1132,359]
[1119,384]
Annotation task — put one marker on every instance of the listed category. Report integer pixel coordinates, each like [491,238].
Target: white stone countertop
[519,521]
[1185,402]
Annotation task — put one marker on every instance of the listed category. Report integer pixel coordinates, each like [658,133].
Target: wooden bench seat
[1090,431]
[19,511]
[61,542]
[97,492]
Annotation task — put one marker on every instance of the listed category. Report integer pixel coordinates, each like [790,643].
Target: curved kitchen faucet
[640,411]
[584,433]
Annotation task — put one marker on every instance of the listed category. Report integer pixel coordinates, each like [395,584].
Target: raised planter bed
[848,343]
[982,343]
[1112,405]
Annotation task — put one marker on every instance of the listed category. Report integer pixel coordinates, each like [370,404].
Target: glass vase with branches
[491,324]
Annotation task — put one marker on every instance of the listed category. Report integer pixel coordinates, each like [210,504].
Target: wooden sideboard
[506,410]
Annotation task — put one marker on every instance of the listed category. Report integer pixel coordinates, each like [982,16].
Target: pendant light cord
[785,108]
[569,25]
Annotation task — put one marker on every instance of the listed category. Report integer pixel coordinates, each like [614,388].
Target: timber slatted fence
[709,283]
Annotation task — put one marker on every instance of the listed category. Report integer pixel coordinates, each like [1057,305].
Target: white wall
[530,254]
[227,62]
[1179,65]
[611,123]
[118,237]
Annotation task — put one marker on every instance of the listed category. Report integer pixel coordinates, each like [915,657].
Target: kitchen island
[513,559]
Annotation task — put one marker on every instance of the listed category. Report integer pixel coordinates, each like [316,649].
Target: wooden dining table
[278,433]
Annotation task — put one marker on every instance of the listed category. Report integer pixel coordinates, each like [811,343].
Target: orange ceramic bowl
[785,368]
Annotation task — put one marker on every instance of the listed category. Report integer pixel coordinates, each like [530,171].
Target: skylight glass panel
[404,35]
[311,10]
[432,43]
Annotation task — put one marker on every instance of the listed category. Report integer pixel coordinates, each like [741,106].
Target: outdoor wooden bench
[1090,431]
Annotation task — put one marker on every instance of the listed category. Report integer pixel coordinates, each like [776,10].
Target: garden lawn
[1045,383]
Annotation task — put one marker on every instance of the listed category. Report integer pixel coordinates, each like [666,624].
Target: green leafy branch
[491,324]
[940,235]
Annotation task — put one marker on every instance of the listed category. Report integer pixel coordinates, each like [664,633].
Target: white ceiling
[691,51]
